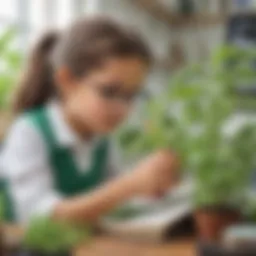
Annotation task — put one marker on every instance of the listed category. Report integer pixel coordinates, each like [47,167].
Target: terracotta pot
[2,248]
[212,221]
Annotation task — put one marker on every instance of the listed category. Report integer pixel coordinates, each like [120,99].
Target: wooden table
[105,245]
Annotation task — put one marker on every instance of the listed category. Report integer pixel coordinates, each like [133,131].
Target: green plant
[250,207]
[191,117]
[10,62]
[45,235]
[2,208]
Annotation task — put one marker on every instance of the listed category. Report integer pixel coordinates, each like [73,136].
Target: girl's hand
[156,174]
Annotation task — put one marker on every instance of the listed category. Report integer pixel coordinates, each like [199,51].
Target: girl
[78,87]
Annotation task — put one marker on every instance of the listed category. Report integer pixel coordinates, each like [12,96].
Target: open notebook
[148,220]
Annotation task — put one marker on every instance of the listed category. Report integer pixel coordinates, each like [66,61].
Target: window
[32,17]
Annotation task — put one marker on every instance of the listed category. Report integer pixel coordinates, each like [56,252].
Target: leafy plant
[191,117]
[2,208]
[126,212]
[10,62]
[45,235]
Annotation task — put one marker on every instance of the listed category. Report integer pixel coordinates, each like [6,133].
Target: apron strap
[68,178]
[41,120]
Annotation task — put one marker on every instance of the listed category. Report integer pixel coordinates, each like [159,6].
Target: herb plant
[45,235]
[191,117]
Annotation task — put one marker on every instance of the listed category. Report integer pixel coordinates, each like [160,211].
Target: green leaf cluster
[46,235]
[10,63]
[190,117]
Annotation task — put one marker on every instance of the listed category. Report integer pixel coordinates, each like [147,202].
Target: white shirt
[27,169]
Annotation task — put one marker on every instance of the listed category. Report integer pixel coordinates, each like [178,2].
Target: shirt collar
[64,134]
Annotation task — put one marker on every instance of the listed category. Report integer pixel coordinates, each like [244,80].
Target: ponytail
[37,85]
[84,46]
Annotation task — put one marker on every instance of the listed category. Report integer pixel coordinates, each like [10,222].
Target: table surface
[105,245]
[102,245]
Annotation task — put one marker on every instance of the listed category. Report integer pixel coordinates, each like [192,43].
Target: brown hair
[82,47]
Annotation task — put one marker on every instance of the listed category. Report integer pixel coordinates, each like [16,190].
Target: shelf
[199,19]
[159,11]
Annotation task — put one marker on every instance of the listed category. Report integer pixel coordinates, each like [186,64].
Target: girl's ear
[64,80]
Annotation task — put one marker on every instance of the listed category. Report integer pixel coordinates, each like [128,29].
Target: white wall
[33,17]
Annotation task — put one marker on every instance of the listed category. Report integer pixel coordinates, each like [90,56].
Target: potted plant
[10,63]
[191,116]
[48,237]
[220,189]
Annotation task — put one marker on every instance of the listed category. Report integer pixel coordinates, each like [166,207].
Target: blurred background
[175,38]
[195,44]
[179,32]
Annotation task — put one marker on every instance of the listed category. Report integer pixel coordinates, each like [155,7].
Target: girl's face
[101,100]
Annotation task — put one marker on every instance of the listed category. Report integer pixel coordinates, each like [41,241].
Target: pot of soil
[2,245]
[212,221]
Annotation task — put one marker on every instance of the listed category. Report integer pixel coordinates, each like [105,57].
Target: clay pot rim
[217,209]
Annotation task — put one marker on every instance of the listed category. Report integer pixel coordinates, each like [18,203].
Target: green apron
[69,179]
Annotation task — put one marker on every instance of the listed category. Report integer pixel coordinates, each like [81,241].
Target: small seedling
[45,235]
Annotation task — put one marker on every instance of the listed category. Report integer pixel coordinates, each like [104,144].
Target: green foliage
[250,208]
[2,209]
[45,235]
[10,62]
[126,212]
[190,117]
